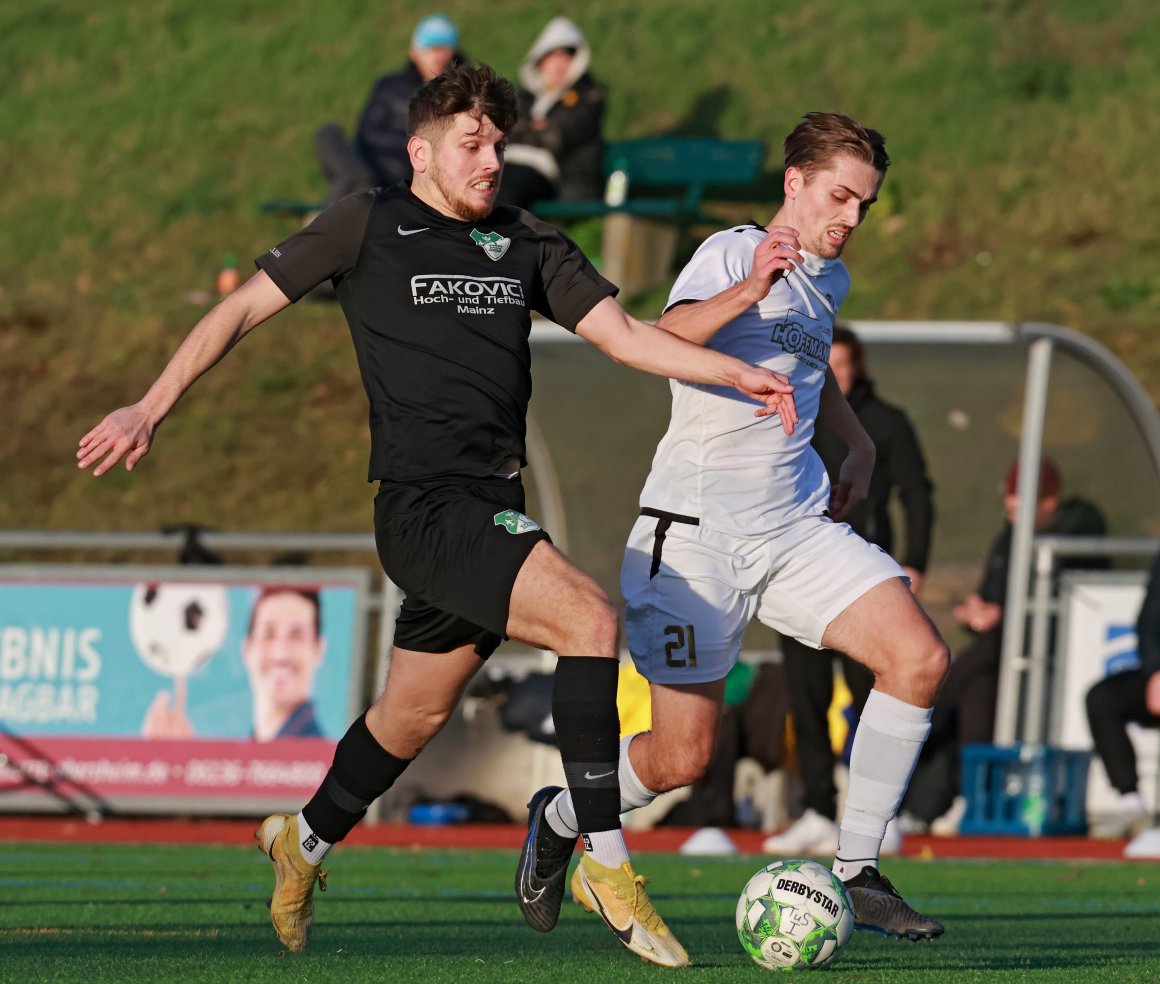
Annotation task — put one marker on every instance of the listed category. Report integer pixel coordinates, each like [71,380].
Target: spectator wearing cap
[965,710]
[557,148]
[378,156]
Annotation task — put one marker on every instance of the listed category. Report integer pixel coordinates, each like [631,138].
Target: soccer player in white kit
[739,520]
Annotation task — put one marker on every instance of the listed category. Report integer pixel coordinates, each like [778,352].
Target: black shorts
[455,550]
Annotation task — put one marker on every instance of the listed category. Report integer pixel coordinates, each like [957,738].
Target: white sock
[607,847]
[633,793]
[313,847]
[561,816]
[886,746]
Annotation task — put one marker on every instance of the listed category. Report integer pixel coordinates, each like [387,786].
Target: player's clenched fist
[774,257]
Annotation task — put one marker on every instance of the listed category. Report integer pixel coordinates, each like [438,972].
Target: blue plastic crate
[1024,790]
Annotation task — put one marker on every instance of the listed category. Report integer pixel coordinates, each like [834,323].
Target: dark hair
[302,590]
[845,336]
[475,89]
[820,137]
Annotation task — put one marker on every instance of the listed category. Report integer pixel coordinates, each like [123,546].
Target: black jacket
[1074,517]
[381,140]
[899,465]
[572,135]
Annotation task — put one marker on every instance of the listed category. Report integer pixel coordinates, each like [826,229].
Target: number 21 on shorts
[681,646]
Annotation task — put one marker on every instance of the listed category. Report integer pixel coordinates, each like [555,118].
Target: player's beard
[826,249]
[464,208]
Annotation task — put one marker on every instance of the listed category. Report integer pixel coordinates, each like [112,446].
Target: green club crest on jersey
[515,522]
[493,244]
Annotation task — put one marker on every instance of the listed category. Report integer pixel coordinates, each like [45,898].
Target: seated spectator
[1134,696]
[556,150]
[964,712]
[378,156]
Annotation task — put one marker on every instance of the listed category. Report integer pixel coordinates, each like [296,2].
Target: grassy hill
[139,138]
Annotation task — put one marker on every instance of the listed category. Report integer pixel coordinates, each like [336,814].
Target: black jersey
[440,313]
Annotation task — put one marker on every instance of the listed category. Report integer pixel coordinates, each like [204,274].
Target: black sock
[588,730]
[362,771]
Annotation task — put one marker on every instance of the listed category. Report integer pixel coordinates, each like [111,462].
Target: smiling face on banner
[283,649]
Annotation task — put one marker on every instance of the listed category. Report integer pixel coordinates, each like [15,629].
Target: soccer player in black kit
[438,286]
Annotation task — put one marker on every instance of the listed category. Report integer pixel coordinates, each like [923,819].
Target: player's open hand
[775,256]
[126,433]
[772,389]
[853,484]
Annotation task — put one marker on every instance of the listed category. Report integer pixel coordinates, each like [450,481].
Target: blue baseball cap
[433,32]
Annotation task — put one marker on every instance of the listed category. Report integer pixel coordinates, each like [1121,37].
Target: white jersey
[718,462]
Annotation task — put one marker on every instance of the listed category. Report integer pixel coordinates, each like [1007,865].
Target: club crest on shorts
[493,244]
[515,522]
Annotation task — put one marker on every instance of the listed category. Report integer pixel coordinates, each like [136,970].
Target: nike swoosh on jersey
[411,232]
[602,775]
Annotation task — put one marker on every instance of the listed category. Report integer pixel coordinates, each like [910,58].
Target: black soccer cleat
[878,906]
[543,866]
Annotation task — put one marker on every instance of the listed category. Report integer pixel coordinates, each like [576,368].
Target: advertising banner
[221,689]
[1098,638]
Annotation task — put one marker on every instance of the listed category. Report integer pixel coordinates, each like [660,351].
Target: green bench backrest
[668,161]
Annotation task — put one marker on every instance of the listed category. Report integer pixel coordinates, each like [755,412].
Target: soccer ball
[177,627]
[794,915]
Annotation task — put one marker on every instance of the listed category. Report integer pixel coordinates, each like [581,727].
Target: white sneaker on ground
[811,833]
[1130,819]
[908,823]
[709,841]
[948,824]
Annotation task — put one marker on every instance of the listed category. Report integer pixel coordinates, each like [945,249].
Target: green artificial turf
[97,913]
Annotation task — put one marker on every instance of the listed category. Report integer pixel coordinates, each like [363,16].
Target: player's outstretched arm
[643,346]
[128,433]
[698,321]
[853,483]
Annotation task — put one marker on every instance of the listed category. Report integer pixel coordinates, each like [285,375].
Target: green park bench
[667,178]
[666,181]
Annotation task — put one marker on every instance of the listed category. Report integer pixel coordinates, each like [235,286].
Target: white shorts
[692,591]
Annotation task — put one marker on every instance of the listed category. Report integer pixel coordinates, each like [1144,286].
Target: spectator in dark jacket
[1134,696]
[378,156]
[965,710]
[556,149]
[899,468]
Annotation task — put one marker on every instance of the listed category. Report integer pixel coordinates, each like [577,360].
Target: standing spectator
[556,149]
[1133,695]
[965,710]
[378,156]
[898,467]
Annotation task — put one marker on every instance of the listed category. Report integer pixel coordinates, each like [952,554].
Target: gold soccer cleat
[292,904]
[618,895]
